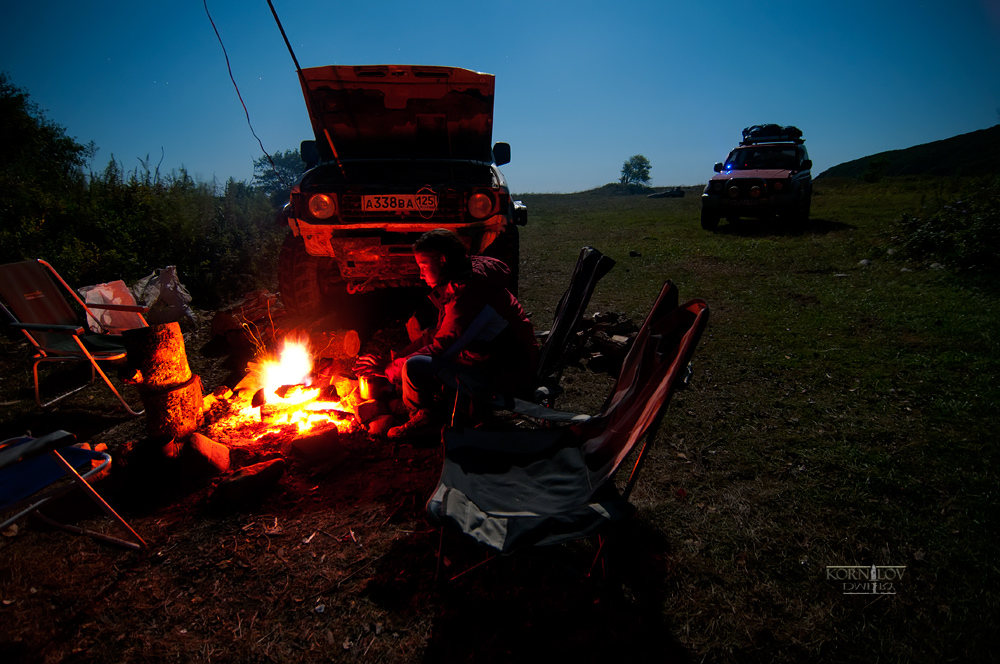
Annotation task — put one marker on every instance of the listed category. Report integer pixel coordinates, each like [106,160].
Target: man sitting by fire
[483,341]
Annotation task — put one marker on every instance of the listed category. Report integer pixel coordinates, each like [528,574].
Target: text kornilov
[866,579]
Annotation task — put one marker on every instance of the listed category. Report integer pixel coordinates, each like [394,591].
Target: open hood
[400,112]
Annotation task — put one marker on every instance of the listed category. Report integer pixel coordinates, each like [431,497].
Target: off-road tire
[709,220]
[299,277]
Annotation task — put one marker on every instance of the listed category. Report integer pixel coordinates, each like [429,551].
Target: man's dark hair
[457,265]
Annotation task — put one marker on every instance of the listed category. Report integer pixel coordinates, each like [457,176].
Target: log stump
[171,394]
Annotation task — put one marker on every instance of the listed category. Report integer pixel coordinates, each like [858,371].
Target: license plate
[419,203]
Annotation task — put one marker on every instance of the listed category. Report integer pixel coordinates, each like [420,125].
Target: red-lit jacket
[481,324]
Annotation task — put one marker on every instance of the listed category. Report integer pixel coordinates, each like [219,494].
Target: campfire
[292,392]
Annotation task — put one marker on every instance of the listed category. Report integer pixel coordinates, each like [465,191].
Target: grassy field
[841,413]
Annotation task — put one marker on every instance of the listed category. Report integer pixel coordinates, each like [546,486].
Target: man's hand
[369,364]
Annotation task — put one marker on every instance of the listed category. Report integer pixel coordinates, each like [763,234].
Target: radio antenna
[305,87]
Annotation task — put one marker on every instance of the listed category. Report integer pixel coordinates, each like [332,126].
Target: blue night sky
[580,86]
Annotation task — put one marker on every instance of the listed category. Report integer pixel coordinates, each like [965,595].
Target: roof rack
[771,133]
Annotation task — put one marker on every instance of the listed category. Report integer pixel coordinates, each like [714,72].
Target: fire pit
[293,393]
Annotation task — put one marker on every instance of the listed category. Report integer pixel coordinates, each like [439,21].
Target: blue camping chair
[35,471]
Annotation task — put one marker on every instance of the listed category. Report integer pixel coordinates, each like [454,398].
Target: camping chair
[31,296]
[510,490]
[35,471]
[590,267]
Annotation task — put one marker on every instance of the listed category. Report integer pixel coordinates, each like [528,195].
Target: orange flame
[298,404]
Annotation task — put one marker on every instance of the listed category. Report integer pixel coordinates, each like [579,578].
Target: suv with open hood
[399,150]
[766,175]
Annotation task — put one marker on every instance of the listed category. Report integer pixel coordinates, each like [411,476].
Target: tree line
[116,224]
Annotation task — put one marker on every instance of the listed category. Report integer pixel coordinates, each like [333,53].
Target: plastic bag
[165,296]
[110,322]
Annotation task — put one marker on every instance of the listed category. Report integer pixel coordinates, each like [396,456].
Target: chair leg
[95,369]
[38,395]
[139,544]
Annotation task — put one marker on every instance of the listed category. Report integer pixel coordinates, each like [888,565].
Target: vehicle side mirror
[807,164]
[501,154]
[718,167]
[309,153]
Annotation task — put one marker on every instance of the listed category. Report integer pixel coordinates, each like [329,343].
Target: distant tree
[635,170]
[276,179]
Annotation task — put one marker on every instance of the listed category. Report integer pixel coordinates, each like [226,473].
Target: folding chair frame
[50,445]
[76,332]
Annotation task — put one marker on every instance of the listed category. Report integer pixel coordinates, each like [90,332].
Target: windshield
[763,156]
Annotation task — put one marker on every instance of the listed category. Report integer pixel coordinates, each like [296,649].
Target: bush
[963,235]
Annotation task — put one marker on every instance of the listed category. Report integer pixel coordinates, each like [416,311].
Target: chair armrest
[120,307]
[75,330]
[33,447]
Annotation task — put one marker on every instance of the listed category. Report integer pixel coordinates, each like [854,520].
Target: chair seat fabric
[509,492]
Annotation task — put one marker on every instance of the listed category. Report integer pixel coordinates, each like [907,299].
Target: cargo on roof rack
[771,133]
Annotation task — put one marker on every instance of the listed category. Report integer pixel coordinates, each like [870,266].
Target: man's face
[430,264]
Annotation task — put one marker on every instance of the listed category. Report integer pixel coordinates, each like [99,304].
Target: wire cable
[242,103]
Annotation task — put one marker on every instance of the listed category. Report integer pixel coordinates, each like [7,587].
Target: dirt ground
[337,562]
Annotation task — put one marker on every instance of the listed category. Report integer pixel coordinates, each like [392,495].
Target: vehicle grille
[743,186]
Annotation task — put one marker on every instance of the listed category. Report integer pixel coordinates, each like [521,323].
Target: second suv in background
[767,174]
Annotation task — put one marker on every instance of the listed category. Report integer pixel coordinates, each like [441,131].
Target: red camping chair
[34,297]
[513,490]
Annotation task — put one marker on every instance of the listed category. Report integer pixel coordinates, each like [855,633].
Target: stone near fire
[248,484]
[380,426]
[317,448]
[366,411]
[204,456]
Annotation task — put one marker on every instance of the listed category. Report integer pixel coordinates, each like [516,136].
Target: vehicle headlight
[778,186]
[322,206]
[733,192]
[755,191]
[481,204]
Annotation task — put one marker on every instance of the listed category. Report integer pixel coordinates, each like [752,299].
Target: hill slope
[974,153]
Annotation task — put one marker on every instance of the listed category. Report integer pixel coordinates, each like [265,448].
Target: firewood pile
[602,341]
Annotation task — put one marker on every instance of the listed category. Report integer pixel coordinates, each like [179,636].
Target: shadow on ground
[770,227]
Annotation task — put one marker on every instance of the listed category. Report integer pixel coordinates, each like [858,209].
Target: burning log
[171,394]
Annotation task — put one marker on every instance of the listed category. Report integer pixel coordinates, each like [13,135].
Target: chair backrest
[652,369]
[32,296]
[591,266]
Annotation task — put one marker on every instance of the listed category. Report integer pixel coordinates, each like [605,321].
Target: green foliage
[41,181]
[963,235]
[635,170]
[122,225]
[276,175]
